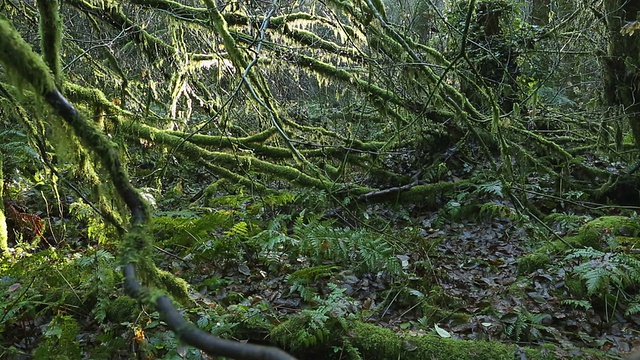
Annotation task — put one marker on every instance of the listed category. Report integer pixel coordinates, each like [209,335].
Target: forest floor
[458,279]
[475,292]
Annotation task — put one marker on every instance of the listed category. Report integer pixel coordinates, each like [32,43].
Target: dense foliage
[341,179]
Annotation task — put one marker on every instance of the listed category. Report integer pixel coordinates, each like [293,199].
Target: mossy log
[360,340]
[596,233]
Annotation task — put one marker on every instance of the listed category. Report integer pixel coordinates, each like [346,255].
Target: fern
[523,323]
[362,250]
[98,280]
[187,230]
[301,280]
[240,229]
[274,242]
[334,308]
[634,306]
[602,270]
[17,152]
[314,273]
[566,221]
[605,273]
[493,188]
[97,229]
[492,210]
[577,303]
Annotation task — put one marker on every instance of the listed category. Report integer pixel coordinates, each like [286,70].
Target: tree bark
[621,63]
[4,243]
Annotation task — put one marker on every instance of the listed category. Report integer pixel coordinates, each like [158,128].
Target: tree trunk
[4,244]
[621,64]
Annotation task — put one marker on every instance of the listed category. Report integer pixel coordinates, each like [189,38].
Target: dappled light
[340,179]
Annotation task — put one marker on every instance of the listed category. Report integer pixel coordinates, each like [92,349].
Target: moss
[330,71]
[597,233]
[378,343]
[60,340]
[122,309]
[594,232]
[576,287]
[628,241]
[543,352]
[532,262]
[51,36]
[371,342]
[19,59]
[248,161]
[4,246]
[176,286]
[431,193]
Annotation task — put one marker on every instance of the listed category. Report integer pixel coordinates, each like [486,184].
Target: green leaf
[441,332]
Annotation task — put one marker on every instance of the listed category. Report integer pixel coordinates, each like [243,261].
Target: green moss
[60,340]
[19,59]
[629,241]
[596,234]
[532,262]
[367,341]
[176,286]
[51,36]
[430,193]
[576,287]
[593,233]
[122,309]
[4,246]
[378,343]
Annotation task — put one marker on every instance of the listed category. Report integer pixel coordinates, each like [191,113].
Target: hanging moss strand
[51,36]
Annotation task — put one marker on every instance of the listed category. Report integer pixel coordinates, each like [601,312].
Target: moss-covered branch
[376,343]
[4,237]
[246,162]
[51,36]
[153,46]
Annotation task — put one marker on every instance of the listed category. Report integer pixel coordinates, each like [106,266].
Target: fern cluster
[314,325]
[607,276]
[17,154]
[604,272]
[320,242]
[523,324]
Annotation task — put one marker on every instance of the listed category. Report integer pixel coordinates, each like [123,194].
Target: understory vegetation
[340,179]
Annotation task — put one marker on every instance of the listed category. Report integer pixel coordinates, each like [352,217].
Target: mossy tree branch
[4,236]
[51,36]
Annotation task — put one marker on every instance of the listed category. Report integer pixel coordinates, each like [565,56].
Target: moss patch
[598,233]
[122,309]
[367,341]
[378,343]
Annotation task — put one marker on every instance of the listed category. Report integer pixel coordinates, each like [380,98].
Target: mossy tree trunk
[4,245]
[622,64]
[493,55]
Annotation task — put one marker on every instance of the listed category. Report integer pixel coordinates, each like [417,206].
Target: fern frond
[588,252]
[596,281]
[584,304]
[633,309]
[493,188]
[240,229]
[492,210]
